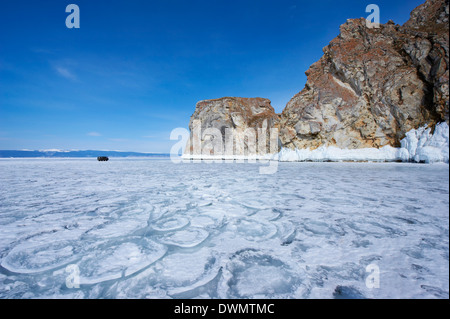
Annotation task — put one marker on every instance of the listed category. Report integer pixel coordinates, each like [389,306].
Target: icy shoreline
[419,146]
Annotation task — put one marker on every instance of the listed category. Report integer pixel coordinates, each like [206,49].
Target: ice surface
[119,258]
[27,259]
[189,237]
[143,228]
[253,273]
[170,224]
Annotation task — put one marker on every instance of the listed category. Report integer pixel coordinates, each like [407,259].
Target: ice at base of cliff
[422,146]
[418,146]
[149,228]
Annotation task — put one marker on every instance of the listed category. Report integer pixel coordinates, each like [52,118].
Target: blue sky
[135,69]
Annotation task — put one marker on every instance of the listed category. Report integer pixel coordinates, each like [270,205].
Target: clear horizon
[135,70]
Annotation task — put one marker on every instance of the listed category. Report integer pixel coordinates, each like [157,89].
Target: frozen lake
[146,228]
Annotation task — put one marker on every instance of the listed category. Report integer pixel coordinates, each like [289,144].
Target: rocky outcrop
[374,85]
[369,89]
[430,21]
[235,114]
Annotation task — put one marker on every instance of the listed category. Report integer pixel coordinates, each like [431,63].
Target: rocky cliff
[369,89]
[373,85]
[237,114]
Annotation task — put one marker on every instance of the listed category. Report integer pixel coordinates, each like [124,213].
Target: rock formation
[369,89]
[374,85]
[238,114]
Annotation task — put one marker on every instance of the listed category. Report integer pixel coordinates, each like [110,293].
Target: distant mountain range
[88,153]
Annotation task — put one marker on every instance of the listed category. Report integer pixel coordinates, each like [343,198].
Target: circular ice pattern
[170,224]
[28,258]
[255,273]
[255,230]
[186,238]
[119,258]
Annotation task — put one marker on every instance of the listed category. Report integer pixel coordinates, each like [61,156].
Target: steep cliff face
[369,89]
[237,114]
[430,21]
[374,85]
